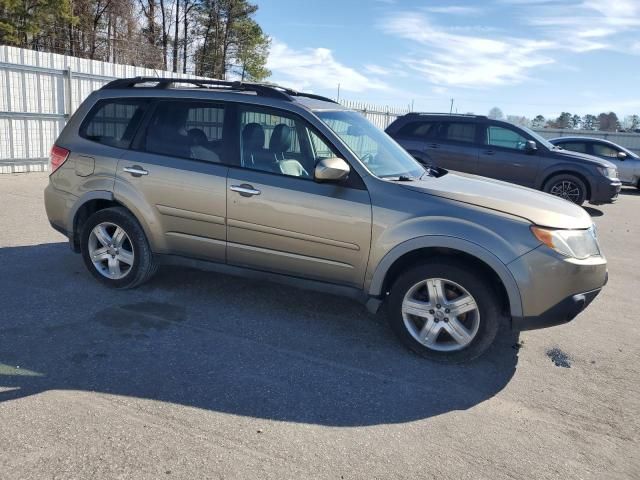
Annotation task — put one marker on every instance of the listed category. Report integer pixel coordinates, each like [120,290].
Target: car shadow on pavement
[223,344]
[594,212]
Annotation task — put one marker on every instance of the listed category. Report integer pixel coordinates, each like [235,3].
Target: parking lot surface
[199,375]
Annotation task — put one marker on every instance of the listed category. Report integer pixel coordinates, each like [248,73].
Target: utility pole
[338,92]
[451,108]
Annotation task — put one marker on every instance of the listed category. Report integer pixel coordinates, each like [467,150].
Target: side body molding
[455,243]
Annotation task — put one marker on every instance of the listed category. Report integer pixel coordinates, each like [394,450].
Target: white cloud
[453,10]
[466,60]
[316,68]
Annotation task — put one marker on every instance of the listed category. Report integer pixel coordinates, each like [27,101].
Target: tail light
[57,157]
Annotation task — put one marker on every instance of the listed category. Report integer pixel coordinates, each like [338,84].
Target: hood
[537,207]
[582,157]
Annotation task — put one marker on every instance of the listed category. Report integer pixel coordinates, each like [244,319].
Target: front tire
[444,311]
[568,187]
[115,249]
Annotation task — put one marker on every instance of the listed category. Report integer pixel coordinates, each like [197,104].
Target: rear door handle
[489,152]
[136,171]
[245,190]
[433,145]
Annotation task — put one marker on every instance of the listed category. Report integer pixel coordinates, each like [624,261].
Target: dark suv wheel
[115,249]
[444,311]
[567,186]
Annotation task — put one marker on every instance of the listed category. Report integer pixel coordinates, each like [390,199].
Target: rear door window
[458,132]
[187,129]
[114,122]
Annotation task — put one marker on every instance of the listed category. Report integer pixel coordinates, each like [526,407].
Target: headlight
[609,172]
[572,243]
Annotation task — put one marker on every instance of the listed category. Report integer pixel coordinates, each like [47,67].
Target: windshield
[380,154]
[539,138]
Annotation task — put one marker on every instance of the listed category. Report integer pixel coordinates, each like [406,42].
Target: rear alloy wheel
[444,311]
[568,187]
[115,249]
[111,250]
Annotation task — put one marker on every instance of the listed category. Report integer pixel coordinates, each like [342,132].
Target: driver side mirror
[622,155]
[331,170]
[530,147]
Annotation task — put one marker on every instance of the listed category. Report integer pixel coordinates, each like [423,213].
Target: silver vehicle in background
[626,161]
[260,180]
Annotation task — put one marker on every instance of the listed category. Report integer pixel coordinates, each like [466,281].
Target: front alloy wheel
[445,310]
[440,314]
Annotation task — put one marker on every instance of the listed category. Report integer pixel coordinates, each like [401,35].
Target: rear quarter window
[113,122]
[417,130]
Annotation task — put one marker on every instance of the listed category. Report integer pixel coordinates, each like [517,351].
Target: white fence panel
[38,93]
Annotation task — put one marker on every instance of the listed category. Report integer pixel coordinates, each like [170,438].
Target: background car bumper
[605,191]
[554,289]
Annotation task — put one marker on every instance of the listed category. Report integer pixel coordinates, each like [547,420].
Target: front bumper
[562,312]
[554,289]
[604,190]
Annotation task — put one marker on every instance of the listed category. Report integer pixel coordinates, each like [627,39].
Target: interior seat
[253,151]
[279,144]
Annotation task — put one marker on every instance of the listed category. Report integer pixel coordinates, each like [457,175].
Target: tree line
[212,38]
[605,122]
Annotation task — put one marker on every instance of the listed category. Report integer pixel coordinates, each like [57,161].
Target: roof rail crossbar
[262,89]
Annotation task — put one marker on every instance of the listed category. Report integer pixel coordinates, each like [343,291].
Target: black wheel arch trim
[376,285]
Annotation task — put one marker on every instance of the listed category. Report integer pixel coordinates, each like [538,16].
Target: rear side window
[575,146]
[189,129]
[114,122]
[505,138]
[459,132]
[418,130]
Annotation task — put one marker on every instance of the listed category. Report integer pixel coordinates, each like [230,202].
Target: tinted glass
[459,132]
[273,141]
[419,130]
[186,129]
[604,150]
[574,146]
[505,138]
[113,122]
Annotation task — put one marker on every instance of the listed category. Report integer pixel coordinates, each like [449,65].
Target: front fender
[562,167]
[455,243]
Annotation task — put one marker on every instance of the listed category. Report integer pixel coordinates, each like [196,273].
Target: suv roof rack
[261,89]
[448,114]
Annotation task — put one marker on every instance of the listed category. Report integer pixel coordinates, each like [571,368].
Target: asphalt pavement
[200,375]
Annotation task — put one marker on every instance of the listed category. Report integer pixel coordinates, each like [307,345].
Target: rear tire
[115,249]
[568,187]
[437,316]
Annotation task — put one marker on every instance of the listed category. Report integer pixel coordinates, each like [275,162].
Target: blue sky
[527,57]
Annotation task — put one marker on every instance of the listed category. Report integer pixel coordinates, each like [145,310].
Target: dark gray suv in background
[496,149]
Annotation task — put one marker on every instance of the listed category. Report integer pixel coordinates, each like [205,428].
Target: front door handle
[136,171]
[245,190]
[489,152]
[434,145]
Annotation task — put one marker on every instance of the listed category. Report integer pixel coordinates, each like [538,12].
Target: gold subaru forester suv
[256,179]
